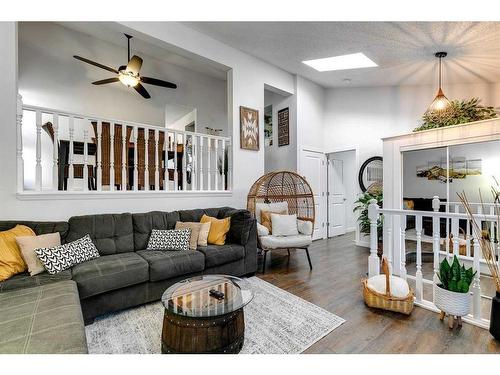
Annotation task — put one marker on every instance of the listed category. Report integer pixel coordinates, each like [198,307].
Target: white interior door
[313,169]
[336,198]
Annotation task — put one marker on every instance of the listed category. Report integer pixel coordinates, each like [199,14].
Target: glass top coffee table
[204,314]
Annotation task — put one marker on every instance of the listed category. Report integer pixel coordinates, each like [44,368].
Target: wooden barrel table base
[220,334]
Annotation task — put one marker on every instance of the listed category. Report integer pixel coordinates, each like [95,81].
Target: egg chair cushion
[282,242]
[262,230]
[305,227]
[271,207]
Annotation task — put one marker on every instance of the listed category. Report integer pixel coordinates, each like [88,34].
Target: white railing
[395,248]
[83,153]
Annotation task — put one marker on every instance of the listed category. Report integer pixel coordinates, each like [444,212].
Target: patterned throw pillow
[174,239]
[56,259]
[59,258]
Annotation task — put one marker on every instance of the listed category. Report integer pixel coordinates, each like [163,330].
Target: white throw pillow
[305,227]
[262,230]
[271,207]
[399,286]
[284,225]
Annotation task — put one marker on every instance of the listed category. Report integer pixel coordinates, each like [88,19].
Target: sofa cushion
[45,319]
[111,233]
[110,272]
[216,255]
[168,264]
[144,223]
[24,280]
[39,227]
[195,215]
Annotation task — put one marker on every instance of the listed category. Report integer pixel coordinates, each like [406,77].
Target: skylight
[352,61]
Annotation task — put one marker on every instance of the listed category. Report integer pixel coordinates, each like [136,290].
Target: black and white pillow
[84,249]
[174,239]
[56,259]
[59,258]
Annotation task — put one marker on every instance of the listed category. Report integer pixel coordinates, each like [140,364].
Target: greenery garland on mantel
[460,112]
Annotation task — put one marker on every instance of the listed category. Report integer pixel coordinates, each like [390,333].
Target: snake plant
[455,278]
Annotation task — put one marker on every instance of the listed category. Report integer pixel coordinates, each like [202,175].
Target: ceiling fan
[129,74]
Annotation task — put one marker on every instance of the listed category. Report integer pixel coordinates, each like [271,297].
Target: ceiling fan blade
[107,80]
[96,64]
[141,90]
[134,65]
[158,82]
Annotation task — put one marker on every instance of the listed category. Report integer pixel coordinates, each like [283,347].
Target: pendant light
[440,102]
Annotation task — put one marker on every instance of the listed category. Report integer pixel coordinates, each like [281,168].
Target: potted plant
[361,206]
[452,295]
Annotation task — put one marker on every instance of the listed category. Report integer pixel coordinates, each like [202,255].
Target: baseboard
[351,229]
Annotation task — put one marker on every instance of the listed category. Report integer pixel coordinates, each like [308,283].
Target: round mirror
[370,172]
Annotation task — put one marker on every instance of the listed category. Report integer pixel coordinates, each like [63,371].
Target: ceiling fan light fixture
[129,79]
[440,102]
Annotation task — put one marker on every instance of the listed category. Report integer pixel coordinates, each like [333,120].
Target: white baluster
[111,156]
[373,261]
[19,145]
[435,248]
[194,166]
[99,155]
[85,158]
[176,172]
[216,174]
[467,238]
[455,238]
[136,169]
[124,156]
[38,171]
[157,173]
[476,283]
[146,159]
[166,147]
[71,171]
[223,165]
[389,245]
[55,153]
[209,169]
[230,166]
[403,248]
[419,285]
[202,174]
[184,161]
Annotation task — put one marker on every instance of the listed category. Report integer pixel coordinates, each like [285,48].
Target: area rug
[276,322]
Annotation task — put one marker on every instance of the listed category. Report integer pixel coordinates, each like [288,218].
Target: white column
[476,283]
[136,170]
[71,171]
[373,261]
[223,165]
[19,145]
[38,170]
[111,156]
[157,173]
[146,159]
[124,156]
[402,255]
[419,287]
[85,157]
[99,155]
[435,248]
[55,152]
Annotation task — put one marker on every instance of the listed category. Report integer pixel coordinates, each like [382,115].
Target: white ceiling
[113,33]
[404,51]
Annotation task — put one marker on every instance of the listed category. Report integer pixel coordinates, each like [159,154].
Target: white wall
[245,87]
[360,117]
[284,157]
[49,76]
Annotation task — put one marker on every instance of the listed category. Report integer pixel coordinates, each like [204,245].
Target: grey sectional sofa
[125,275]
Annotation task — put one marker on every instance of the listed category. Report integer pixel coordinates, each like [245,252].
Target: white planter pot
[453,303]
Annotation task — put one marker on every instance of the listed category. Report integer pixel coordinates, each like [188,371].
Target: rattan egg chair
[289,187]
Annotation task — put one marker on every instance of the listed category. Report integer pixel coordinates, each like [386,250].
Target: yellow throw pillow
[218,229]
[265,218]
[11,260]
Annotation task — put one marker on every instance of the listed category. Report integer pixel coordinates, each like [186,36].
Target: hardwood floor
[335,285]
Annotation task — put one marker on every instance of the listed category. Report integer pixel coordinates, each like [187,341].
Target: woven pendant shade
[283,186]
